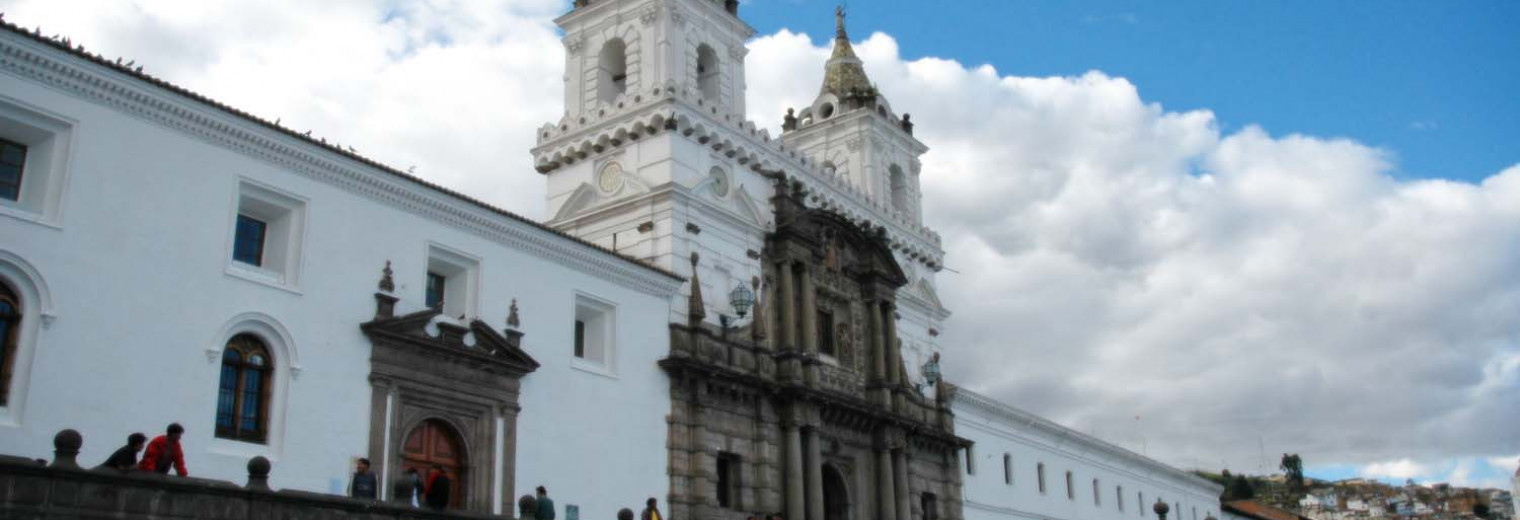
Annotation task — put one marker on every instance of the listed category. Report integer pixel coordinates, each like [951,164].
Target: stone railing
[31,489]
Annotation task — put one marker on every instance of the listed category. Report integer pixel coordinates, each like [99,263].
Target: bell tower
[653,157]
[617,50]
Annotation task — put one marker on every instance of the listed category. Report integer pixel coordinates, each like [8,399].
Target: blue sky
[1431,82]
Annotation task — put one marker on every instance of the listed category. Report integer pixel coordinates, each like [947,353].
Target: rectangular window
[12,165]
[1071,493]
[826,333]
[594,334]
[970,461]
[1008,469]
[728,480]
[1097,501]
[1039,473]
[437,288]
[268,229]
[451,284]
[1119,497]
[1140,503]
[580,339]
[248,242]
[930,504]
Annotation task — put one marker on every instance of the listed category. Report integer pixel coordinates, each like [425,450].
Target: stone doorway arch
[836,494]
[434,442]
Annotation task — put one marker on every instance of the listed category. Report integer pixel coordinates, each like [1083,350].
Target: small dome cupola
[844,77]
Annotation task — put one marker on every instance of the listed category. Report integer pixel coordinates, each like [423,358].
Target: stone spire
[844,76]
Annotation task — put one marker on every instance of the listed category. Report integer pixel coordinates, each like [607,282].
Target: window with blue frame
[248,241]
[12,164]
[242,405]
[436,284]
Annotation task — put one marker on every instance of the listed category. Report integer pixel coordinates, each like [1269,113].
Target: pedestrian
[544,510]
[651,510]
[364,485]
[165,452]
[125,458]
[406,488]
[438,489]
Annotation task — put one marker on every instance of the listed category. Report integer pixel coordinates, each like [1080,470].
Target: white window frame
[44,176]
[461,272]
[600,316]
[284,216]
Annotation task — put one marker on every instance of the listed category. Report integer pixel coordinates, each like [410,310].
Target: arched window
[899,184]
[242,404]
[707,72]
[612,70]
[10,331]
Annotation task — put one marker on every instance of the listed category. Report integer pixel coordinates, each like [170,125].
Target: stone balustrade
[62,489]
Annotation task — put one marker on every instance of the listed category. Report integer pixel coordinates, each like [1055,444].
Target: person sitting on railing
[164,451]
[125,458]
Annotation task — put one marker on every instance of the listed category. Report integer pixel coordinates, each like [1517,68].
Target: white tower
[654,157]
[852,132]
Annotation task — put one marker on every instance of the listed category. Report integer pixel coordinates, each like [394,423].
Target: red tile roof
[1260,511]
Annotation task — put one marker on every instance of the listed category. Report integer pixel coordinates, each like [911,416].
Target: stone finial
[512,320]
[789,121]
[1161,509]
[695,309]
[66,446]
[387,283]
[625,514]
[258,474]
[907,124]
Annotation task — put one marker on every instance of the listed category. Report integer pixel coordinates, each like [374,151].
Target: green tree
[1293,468]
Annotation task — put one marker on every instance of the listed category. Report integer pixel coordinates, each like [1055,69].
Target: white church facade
[735,322]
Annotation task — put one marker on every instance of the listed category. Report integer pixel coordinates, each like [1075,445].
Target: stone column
[886,501]
[809,330]
[878,359]
[787,306]
[900,476]
[889,340]
[813,462]
[794,504]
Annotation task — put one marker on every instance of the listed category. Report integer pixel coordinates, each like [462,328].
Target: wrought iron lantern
[741,299]
[930,370]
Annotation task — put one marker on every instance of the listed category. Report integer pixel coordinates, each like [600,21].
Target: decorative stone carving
[649,15]
[574,44]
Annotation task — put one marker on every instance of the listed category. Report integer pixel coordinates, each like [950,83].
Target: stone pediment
[430,334]
[860,252]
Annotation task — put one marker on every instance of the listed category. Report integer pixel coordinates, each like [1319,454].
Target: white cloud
[1237,290]
[1397,470]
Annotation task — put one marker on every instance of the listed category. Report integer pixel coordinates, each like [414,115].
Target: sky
[1213,232]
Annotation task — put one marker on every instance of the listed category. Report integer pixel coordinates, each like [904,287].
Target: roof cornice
[998,410]
[32,57]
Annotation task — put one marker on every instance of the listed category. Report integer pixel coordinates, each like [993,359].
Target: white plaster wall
[137,272]
[989,497]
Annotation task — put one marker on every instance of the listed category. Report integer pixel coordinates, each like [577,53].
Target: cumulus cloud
[1243,292]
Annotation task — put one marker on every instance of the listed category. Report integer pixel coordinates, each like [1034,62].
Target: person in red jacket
[164,451]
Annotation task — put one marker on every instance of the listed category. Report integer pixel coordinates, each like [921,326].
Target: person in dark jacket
[364,485]
[544,509]
[407,488]
[125,458]
[438,488]
[165,452]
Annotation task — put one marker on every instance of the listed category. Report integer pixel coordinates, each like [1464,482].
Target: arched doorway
[436,443]
[836,495]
